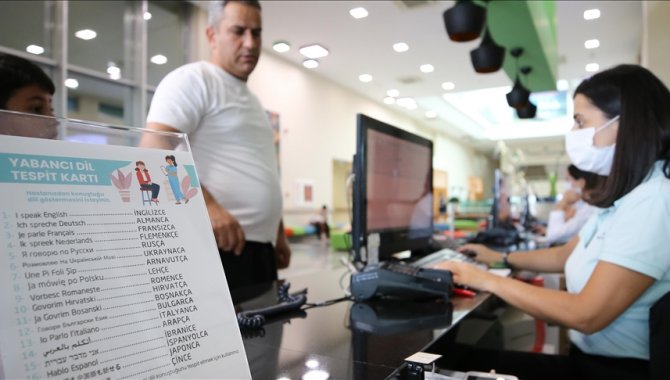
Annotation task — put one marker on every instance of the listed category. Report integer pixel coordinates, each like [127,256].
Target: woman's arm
[548,260]
[611,289]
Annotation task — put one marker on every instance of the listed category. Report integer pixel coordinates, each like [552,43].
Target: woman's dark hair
[174,160]
[17,72]
[591,180]
[138,163]
[643,104]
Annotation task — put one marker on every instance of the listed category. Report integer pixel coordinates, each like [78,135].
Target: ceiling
[476,113]
[364,46]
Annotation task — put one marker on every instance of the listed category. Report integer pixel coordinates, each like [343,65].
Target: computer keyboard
[447,254]
[444,254]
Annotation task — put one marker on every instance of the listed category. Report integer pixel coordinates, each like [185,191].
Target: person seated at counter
[24,87]
[618,265]
[573,210]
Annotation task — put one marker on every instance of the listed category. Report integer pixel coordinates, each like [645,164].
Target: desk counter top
[344,340]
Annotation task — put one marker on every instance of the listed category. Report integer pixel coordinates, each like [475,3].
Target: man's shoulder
[193,69]
[203,72]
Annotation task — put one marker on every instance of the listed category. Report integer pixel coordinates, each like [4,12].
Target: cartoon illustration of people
[171,172]
[144,179]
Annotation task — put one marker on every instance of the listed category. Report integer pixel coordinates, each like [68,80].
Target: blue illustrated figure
[171,172]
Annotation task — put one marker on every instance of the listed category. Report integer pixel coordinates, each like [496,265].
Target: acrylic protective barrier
[109,267]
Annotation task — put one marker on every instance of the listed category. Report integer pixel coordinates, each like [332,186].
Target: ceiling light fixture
[591,44]
[464,21]
[592,67]
[365,78]
[310,63]
[281,46]
[529,110]
[400,47]
[431,114]
[147,16]
[562,85]
[86,34]
[591,14]
[113,70]
[159,59]
[358,13]
[71,83]
[408,103]
[314,51]
[448,86]
[518,97]
[427,68]
[393,93]
[34,49]
[489,56]
[389,100]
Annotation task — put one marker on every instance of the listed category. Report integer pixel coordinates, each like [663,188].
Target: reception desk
[348,340]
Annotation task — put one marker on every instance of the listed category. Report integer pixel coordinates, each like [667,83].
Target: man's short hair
[17,72]
[216,9]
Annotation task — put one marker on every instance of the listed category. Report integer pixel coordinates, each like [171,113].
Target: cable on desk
[254,319]
[327,303]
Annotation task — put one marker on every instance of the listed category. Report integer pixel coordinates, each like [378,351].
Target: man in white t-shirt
[232,144]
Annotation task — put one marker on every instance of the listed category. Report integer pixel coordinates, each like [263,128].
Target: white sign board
[103,277]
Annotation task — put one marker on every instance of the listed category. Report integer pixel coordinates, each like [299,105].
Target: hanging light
[464,21]
[527,112]
[489,56]
[518,97]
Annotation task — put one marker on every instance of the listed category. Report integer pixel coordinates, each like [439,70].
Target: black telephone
[255,319]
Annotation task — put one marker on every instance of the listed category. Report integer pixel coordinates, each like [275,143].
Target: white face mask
[585,156]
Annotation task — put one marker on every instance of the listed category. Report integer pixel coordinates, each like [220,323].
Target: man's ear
[210,32]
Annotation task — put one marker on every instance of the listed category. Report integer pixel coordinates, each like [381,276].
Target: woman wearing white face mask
[572,211]
[619,264]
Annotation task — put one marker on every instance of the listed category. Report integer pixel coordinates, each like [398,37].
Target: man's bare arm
[158,140]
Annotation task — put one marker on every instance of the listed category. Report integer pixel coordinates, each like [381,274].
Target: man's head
[234,36]
[24,87]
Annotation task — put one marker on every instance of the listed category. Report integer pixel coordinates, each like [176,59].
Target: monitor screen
[393,188]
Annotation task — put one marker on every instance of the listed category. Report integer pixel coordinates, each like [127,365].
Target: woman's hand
[465,274]
[481,253]
[540,229]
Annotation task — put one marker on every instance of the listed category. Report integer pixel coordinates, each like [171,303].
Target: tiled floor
[308,254]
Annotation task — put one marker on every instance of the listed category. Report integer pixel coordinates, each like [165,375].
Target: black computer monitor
[392,190]
[500,210]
